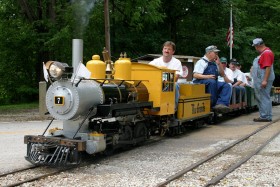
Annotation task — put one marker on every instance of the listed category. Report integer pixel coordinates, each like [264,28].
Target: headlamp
[56,69]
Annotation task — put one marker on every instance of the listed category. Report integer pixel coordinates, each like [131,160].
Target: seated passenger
[244,78]
[238,77]
[228,77]
[167,60]
[206,71]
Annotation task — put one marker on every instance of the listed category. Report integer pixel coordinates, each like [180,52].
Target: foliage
[17,55]
[18,107]
[35,31]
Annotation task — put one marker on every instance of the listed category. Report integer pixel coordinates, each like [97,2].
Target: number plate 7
[59,100]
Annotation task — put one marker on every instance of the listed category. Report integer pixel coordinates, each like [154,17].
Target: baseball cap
[223,60]
[257,41]
[234,61]
[248,74]
[211,48]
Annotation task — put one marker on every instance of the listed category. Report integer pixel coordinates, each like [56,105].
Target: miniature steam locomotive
[115,107]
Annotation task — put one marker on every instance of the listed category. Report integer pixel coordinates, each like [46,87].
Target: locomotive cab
[160,84]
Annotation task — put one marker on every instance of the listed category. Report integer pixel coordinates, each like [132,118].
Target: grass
[18,107]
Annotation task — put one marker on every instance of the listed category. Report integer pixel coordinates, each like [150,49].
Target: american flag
[230,30]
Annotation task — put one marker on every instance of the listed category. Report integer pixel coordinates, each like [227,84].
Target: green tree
[35,31]
[17,72]
[29,37]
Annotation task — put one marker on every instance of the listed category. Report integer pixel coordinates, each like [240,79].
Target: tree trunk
[27,10]
[50,10]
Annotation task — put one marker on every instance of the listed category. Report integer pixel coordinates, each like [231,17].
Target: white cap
[257,41]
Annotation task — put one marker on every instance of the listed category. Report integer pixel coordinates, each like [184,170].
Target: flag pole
[231,30]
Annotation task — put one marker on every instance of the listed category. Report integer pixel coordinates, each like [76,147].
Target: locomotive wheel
[127,134]
[140,130]
[199,123]
[172,131]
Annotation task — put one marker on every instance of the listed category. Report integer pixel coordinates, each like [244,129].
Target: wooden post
[42,98]
[107,26]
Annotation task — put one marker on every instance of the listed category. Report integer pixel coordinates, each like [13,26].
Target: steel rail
[37,178]
[242,161]
[16,171]
[215,154]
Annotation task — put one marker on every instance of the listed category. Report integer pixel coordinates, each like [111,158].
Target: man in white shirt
[244,78]
[238,79]
[167,60]
[228,77]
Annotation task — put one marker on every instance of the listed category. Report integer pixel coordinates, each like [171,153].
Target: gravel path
[23,115]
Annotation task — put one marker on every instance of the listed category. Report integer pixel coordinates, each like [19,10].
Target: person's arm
[228,76]
[220,67]
[237,83]
[179,71]
[239,79]
[244,80]
[266,61]
[227,80]
[176,77]
[201,76]
[266,75]
[199,68]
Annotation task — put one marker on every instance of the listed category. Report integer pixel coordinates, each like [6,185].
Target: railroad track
[235,154]
[22,176]
[18,170]
[35,173]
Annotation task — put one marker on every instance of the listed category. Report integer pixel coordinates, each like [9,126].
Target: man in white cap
[206,71]
[263,76]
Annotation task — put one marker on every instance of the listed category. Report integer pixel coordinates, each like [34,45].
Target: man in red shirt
[263,77]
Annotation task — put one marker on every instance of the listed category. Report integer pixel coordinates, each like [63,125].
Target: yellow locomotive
[120,104]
